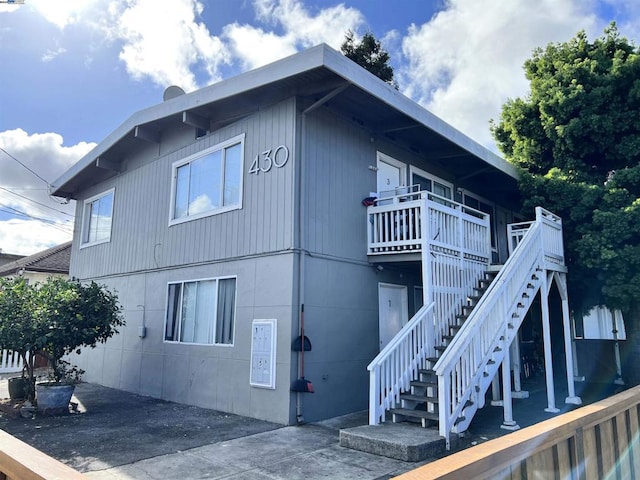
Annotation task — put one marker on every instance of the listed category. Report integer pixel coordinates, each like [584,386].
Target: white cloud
[51,54]
[467,60]
[26,237]
[63,13]
[46,155]
[255,47]
[163,41]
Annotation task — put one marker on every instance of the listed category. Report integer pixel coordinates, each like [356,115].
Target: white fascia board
[368,82]
[318,56]
[286,67]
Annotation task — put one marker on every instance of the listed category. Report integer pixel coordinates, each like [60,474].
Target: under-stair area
[420,403]
[437,370]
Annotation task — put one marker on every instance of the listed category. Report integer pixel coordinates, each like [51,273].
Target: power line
[25,188]
[14,211]
[36,202]
[11,156]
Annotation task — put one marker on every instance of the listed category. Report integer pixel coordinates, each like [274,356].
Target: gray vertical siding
[205,375]
[341,296]
[337,156]
[141,238]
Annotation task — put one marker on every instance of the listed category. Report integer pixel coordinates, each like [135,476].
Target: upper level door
[391,173]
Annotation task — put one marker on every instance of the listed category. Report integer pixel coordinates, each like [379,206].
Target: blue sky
[73,70]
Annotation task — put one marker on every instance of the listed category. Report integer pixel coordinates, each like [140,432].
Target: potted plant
[70,315]
[54,319]
[54,395]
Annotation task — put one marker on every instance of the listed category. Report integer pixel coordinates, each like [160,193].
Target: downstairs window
[201,312]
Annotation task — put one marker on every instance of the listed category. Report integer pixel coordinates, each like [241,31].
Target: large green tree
[576,137]
[369,54]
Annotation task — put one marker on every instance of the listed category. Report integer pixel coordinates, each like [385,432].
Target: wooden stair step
[427,371]
[423,384]
[419,398]
[407,412]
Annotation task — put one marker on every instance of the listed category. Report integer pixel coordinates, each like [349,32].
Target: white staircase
[439,367]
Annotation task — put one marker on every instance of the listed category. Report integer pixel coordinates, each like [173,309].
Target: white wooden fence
[10,362]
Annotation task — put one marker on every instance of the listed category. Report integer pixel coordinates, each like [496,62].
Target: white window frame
[238,139]
[213,324]
[86,219]
[492,216]
[429,176]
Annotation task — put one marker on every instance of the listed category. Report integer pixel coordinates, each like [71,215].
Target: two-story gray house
[307,192]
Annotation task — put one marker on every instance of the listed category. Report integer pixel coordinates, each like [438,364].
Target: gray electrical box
[263,353]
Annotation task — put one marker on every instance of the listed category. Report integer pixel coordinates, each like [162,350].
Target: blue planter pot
[53,399]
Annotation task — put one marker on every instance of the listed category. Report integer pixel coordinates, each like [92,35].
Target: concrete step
[407,442]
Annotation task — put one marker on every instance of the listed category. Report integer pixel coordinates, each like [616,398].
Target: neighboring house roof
[319,73]
[53,260]
[8,257]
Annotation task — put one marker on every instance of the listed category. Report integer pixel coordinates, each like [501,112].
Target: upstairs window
[208,182]
[431,183]
[478,203]
[201,312]
[96,219]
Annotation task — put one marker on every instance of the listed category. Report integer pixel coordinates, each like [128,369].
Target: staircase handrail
[405,351]
[500,279]
[527,254]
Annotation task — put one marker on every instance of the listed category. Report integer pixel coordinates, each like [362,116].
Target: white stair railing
[485,336]
[398,363]
[454,243]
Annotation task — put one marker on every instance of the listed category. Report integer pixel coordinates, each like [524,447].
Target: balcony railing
[455,247]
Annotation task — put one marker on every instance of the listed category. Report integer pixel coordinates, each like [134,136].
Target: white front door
[393,310]
[391,173]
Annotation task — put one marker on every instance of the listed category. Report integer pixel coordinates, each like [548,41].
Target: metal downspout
[302,215]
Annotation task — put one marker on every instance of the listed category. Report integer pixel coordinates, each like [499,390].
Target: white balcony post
[546,334]
[374,393]
[427,288]
[568,350]
[507,401]
[495,392]
[517,370]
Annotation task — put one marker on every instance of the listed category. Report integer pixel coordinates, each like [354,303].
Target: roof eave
[316,57]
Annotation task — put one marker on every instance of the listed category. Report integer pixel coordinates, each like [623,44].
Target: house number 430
[265,161]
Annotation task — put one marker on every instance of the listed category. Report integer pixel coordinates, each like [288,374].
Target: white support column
[576,373]
[517,369]
[546,335]
[616,347]
[427,287]
[507,402]
[561,283]
[616,351]
[496,401]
